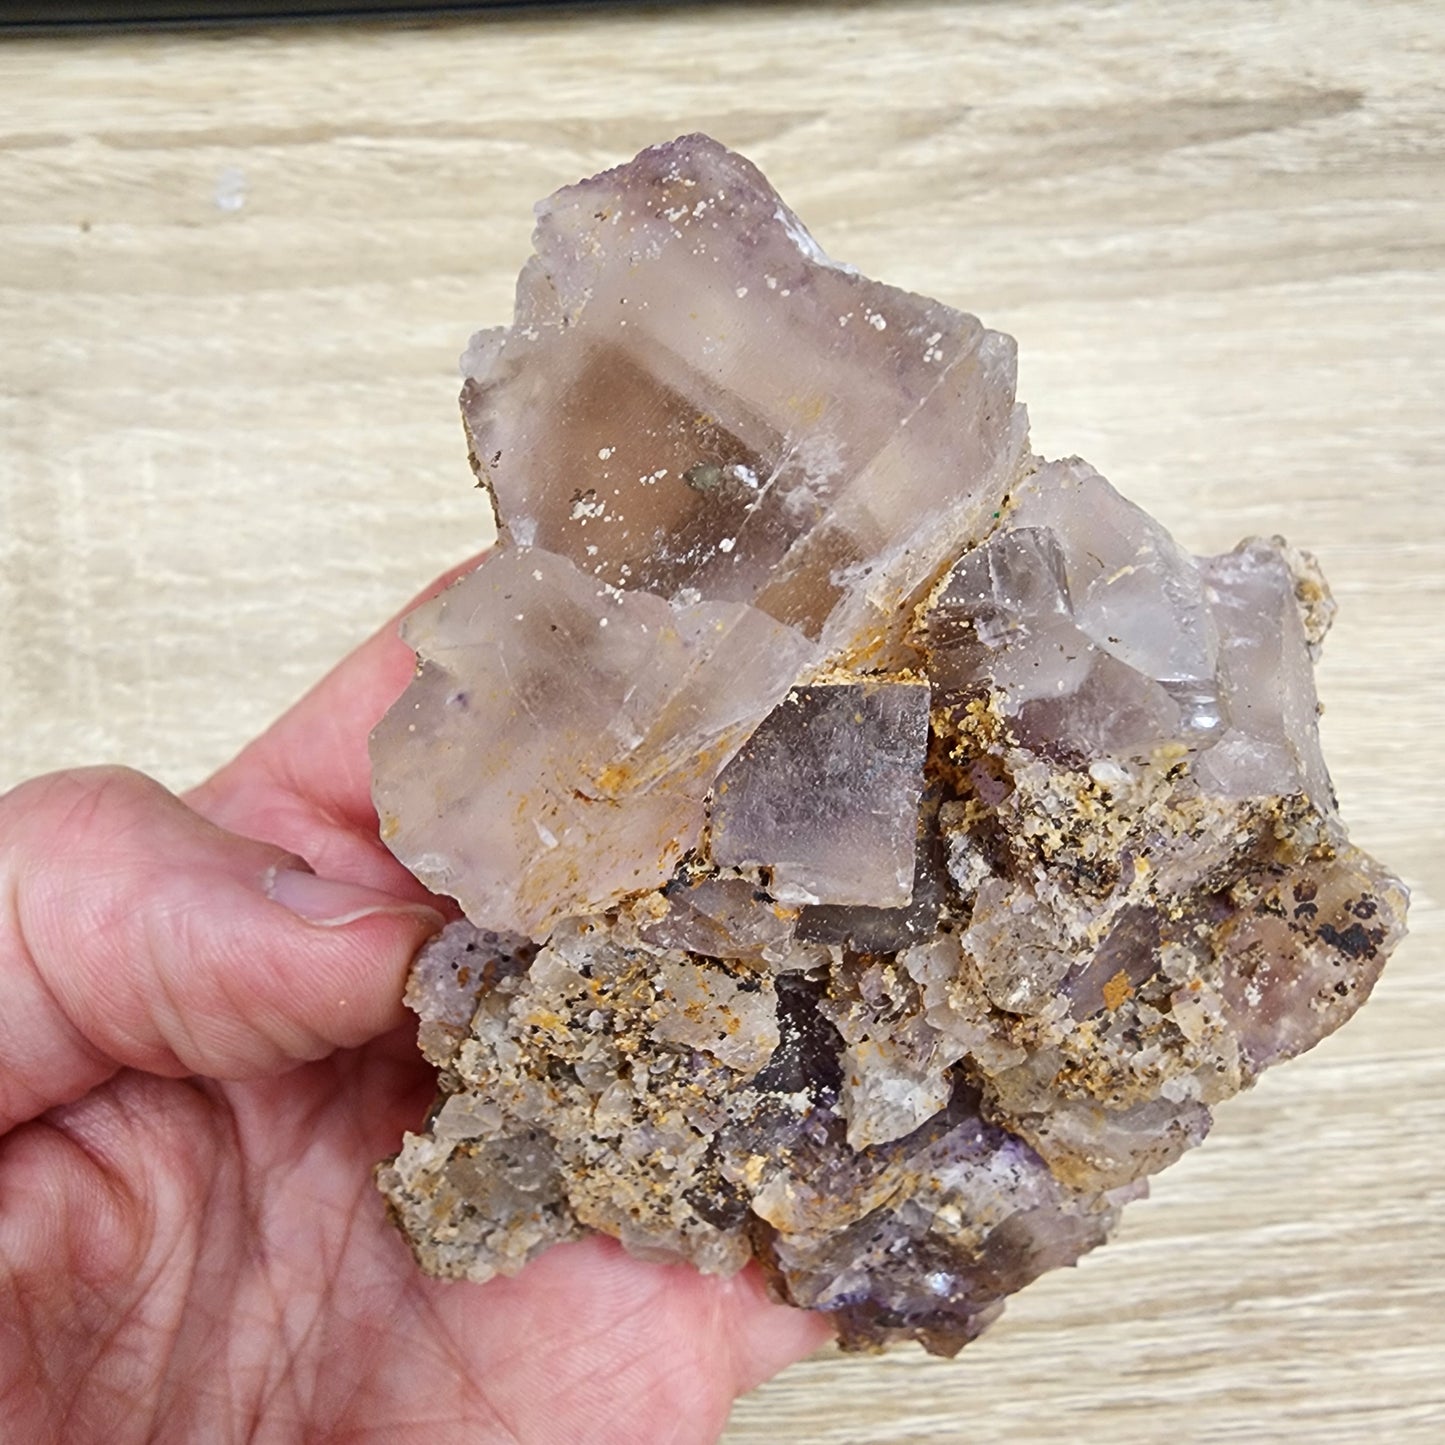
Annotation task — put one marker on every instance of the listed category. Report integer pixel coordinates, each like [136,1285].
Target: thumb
[135,934]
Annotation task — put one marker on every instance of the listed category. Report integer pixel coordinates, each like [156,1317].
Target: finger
[135,934]
[305,784]
[586,1343]
[664,1349]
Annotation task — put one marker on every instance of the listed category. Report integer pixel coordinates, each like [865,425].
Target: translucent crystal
[574,732]
[692,398]
[880,847]
[825,794]
[1088,618]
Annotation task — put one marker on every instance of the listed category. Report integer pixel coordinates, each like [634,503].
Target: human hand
[202,1055]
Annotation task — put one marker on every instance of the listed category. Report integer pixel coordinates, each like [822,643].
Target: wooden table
[235,271]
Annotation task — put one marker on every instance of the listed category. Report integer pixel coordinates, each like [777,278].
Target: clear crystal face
[880,847]
[825,793]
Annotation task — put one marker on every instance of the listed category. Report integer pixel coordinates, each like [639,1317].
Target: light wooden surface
[234,274]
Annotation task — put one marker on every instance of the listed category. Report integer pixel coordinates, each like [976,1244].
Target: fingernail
[332,904]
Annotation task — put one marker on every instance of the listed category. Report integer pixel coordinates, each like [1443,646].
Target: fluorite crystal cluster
[880,847]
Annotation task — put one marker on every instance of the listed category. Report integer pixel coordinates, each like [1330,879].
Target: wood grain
[235,270]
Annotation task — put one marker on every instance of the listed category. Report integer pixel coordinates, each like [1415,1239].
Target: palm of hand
[187,1257]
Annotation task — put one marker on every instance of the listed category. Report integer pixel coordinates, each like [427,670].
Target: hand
[202,1056]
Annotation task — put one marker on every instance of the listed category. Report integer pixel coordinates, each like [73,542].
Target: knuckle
[78,795]
[82,826]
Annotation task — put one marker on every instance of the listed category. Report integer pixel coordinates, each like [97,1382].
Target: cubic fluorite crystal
[880,847]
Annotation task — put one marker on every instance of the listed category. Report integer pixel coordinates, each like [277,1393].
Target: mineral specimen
[881,847]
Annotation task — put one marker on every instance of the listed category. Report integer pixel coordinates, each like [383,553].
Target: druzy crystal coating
[880,847]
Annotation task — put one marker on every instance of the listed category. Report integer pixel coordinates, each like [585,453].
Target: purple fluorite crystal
[881,847]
